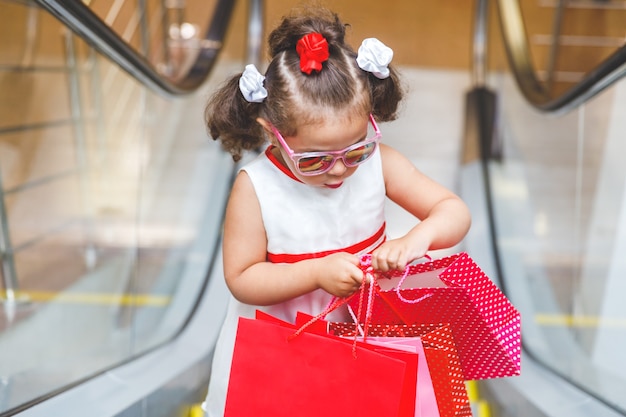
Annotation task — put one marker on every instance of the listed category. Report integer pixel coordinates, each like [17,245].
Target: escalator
[113,292]
[549,169]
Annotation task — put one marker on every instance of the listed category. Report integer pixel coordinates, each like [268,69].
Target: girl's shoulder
[391,156]
[388,150]
[397,168]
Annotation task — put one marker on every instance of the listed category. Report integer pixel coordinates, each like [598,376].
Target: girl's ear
[266,125]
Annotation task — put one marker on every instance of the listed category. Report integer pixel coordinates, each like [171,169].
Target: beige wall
[438,33]
[421,32]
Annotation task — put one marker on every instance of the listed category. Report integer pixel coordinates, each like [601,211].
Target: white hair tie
[251,85]
[374,56]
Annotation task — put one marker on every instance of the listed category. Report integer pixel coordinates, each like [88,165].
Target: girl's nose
[338,169]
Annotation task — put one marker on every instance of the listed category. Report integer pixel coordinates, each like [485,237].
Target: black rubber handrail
[80,19]
[516,44]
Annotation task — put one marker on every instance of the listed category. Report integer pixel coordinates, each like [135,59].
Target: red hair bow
[313,50]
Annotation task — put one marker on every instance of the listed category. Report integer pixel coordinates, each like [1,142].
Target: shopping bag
[441,390]
[317,325]
[274,373]
[485,325]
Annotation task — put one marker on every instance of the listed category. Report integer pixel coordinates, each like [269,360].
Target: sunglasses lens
[314,164]
[360,154]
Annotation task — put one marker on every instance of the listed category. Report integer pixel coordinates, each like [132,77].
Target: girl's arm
[444,217]
[253,280]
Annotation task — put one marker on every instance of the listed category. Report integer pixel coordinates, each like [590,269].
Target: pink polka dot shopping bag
[454,290]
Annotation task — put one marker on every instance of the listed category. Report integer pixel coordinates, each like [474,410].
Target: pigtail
[231,119]
[374,59]
[386,95]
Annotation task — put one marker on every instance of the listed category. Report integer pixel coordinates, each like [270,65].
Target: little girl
[302,212]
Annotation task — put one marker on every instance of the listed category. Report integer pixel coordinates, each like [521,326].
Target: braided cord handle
[404,275]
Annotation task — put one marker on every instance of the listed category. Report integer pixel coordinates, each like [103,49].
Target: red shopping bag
[276,374]
[307,323]
[485,325]
[441,389]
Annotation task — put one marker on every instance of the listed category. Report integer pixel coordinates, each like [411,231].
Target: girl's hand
[397,254]
[339,274]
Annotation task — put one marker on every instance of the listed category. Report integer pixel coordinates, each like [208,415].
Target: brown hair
[295,98]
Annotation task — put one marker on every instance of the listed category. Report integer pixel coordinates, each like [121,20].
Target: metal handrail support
[479,44]
[557,23]
[7,267]
[32,22]
[480,139]
[8,277]
[255,32]
[76,106]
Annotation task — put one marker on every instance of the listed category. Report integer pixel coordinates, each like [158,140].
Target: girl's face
[332,134]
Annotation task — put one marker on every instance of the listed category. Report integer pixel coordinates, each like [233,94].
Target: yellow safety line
[482,409]
[578,321]
[479,406]
[90,298]
[196,411]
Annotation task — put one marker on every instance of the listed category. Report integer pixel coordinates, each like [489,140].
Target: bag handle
[369,278]
[336,302]
[404,275]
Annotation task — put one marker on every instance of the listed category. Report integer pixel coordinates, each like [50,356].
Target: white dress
[302,222]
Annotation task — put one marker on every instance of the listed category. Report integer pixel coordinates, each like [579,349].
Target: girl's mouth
[337,185]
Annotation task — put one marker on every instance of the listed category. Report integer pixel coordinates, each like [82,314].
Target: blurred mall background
[112,193]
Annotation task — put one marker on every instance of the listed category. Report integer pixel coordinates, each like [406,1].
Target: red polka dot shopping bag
[281,373]
[485,325]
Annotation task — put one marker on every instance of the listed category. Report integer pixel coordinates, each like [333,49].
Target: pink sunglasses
[316,163]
